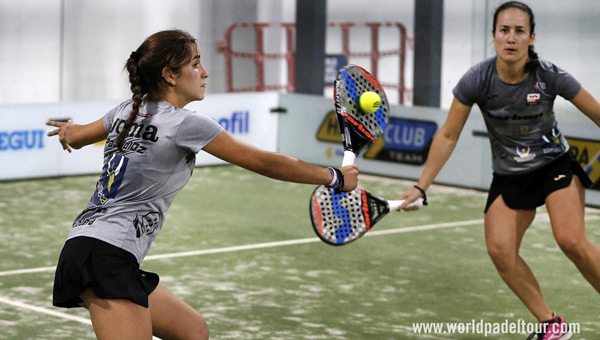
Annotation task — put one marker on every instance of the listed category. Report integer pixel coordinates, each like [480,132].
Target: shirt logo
[559,177]
[533,98]
[539,85]
[524,154]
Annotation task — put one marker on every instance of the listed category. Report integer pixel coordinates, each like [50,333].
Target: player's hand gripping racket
[339,218]
[359,129]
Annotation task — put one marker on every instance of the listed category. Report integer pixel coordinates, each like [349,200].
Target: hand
[63,127]
[409,196]
[350,173]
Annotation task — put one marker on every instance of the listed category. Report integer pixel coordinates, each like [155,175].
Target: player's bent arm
[275,165]
[587,104]
[443,145]
[78,136]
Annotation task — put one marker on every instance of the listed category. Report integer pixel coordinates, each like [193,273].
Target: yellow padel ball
[369,101]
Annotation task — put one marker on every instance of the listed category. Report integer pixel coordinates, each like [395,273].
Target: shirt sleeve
[109,117]
[467,88]
[566,85]
[197,130]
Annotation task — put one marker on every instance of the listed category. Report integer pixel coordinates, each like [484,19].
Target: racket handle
[349,158]
[396,204]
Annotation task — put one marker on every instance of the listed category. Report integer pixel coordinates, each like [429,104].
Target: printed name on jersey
[133,146]
[533,98]
[128,146]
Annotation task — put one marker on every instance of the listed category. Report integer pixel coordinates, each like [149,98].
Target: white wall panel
[30,53]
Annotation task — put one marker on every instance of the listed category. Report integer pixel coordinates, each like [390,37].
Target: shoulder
[485,66]
[121,110]
[558,80]
[193,120]
[549,68]
[481,72]
[126,104]
[475,82]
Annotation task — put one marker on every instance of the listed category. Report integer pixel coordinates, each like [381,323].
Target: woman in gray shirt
[149,156]
[531,160]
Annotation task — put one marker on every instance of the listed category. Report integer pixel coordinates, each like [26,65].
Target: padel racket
[339,218]
[359,129]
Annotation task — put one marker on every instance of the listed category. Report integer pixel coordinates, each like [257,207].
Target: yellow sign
[329,130]
[587,153]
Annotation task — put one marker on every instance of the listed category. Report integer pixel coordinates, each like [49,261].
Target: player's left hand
[63,127]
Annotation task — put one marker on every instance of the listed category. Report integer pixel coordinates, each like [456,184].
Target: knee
[204,333]
[573,247]
[503,258]
[201,330]
[196,330]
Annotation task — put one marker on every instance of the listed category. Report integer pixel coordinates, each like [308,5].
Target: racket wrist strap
[337,182]
[334,179]
[422,193]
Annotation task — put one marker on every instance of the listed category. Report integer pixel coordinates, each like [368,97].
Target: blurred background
[74,50]
[272,64]
[65,58]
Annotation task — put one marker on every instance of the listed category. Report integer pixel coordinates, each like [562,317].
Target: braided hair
[534,61]
[172,49]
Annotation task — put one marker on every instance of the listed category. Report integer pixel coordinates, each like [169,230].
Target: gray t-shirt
[137,187]
[520,120]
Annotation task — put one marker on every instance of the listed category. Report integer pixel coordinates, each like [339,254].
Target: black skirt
[529,191]
[112,272]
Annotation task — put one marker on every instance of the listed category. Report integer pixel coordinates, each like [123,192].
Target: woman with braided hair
[515,91]
[149,156]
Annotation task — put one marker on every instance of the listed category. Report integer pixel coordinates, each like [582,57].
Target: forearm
[276,165]
[441,149]
[78,136]
[285,168]
[587,104]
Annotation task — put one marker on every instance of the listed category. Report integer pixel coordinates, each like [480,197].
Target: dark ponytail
[138,97]
[534,61]
[171,49]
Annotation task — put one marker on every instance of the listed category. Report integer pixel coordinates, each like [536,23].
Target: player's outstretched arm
[443,145]
[587,104]
[76,136]
[275,165]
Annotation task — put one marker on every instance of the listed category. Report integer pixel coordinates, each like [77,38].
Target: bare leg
[117,319]
[504,230]
[566,210]
[173,319]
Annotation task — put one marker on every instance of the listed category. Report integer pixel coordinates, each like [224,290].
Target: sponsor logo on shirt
[524,153]
[515,116]
[533,98]
[539,85]
[146,224]
[552,145]
[110,180]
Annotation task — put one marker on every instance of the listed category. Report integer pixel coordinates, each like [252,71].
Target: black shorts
[112,272]
[529,191]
